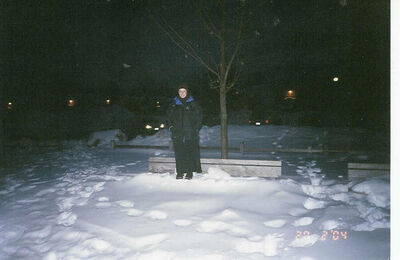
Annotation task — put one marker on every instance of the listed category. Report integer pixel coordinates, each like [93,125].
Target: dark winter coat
[185,119]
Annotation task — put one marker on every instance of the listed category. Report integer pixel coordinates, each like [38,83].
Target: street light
[336,79]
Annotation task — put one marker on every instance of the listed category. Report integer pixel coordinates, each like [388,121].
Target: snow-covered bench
[359,170]
[234,167]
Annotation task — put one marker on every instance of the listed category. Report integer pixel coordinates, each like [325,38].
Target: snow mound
[105,137]
[331,224]
[277,223]
[377,190]
[217,174]
[305,221]
[269,246]
[305,241]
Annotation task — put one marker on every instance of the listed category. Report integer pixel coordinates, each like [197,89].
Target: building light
[290,94]
[71,103]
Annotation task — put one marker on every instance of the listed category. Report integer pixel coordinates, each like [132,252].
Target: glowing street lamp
[71,103]
[336,79]
[9,105]
[108,101]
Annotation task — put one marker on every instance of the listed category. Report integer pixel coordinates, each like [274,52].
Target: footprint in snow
[220,226]
[40,233]
[311,203]
[103,199]
[103,205]
[66,219]
[157,214]
[269,246]
[303,221]
[332,224]
[277,223]
[133,212]
[182,222]
[125,203]
[148,242]
[228,215]
[305,241]
[296,212]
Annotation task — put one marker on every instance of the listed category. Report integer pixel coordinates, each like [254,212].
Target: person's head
[183,90]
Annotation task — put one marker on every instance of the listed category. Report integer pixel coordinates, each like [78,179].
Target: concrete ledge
[360,170]
[259,168]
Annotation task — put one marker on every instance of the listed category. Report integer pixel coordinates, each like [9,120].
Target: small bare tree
[228,32]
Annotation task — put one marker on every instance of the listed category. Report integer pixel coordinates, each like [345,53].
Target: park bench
[360,170]
[234,167]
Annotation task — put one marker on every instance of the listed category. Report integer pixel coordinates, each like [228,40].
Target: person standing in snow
[185,116]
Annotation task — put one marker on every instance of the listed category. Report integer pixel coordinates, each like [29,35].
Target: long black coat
[185,121]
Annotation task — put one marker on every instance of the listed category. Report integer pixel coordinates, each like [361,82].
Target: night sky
[55,49]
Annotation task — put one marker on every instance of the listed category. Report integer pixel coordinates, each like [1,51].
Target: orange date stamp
[332,234]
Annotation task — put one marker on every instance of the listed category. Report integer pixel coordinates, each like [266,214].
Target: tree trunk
[224,122]
[222,88]
[2,136]
[2,85]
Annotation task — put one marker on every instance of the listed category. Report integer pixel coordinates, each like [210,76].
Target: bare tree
[227,30]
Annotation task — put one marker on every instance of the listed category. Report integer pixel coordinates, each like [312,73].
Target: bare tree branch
[192,51]
[209,25]
[182,43]
[238,43]
[235,79]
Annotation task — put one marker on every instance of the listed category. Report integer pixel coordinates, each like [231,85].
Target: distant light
[148,127]
[71,103]
[9,105]
[267,121]
[290,95]
[158,104]
[162,126]
[336,79]
[108,101]
[258,123]
[156,129]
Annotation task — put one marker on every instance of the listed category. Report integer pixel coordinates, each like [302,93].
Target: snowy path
[102,204]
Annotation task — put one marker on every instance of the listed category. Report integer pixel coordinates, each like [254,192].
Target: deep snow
[98,203]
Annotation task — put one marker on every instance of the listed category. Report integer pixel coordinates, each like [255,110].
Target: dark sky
[59,47]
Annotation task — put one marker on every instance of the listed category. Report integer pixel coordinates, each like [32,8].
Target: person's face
[182,92]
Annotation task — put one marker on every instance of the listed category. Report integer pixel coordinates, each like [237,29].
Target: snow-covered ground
[99,203]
